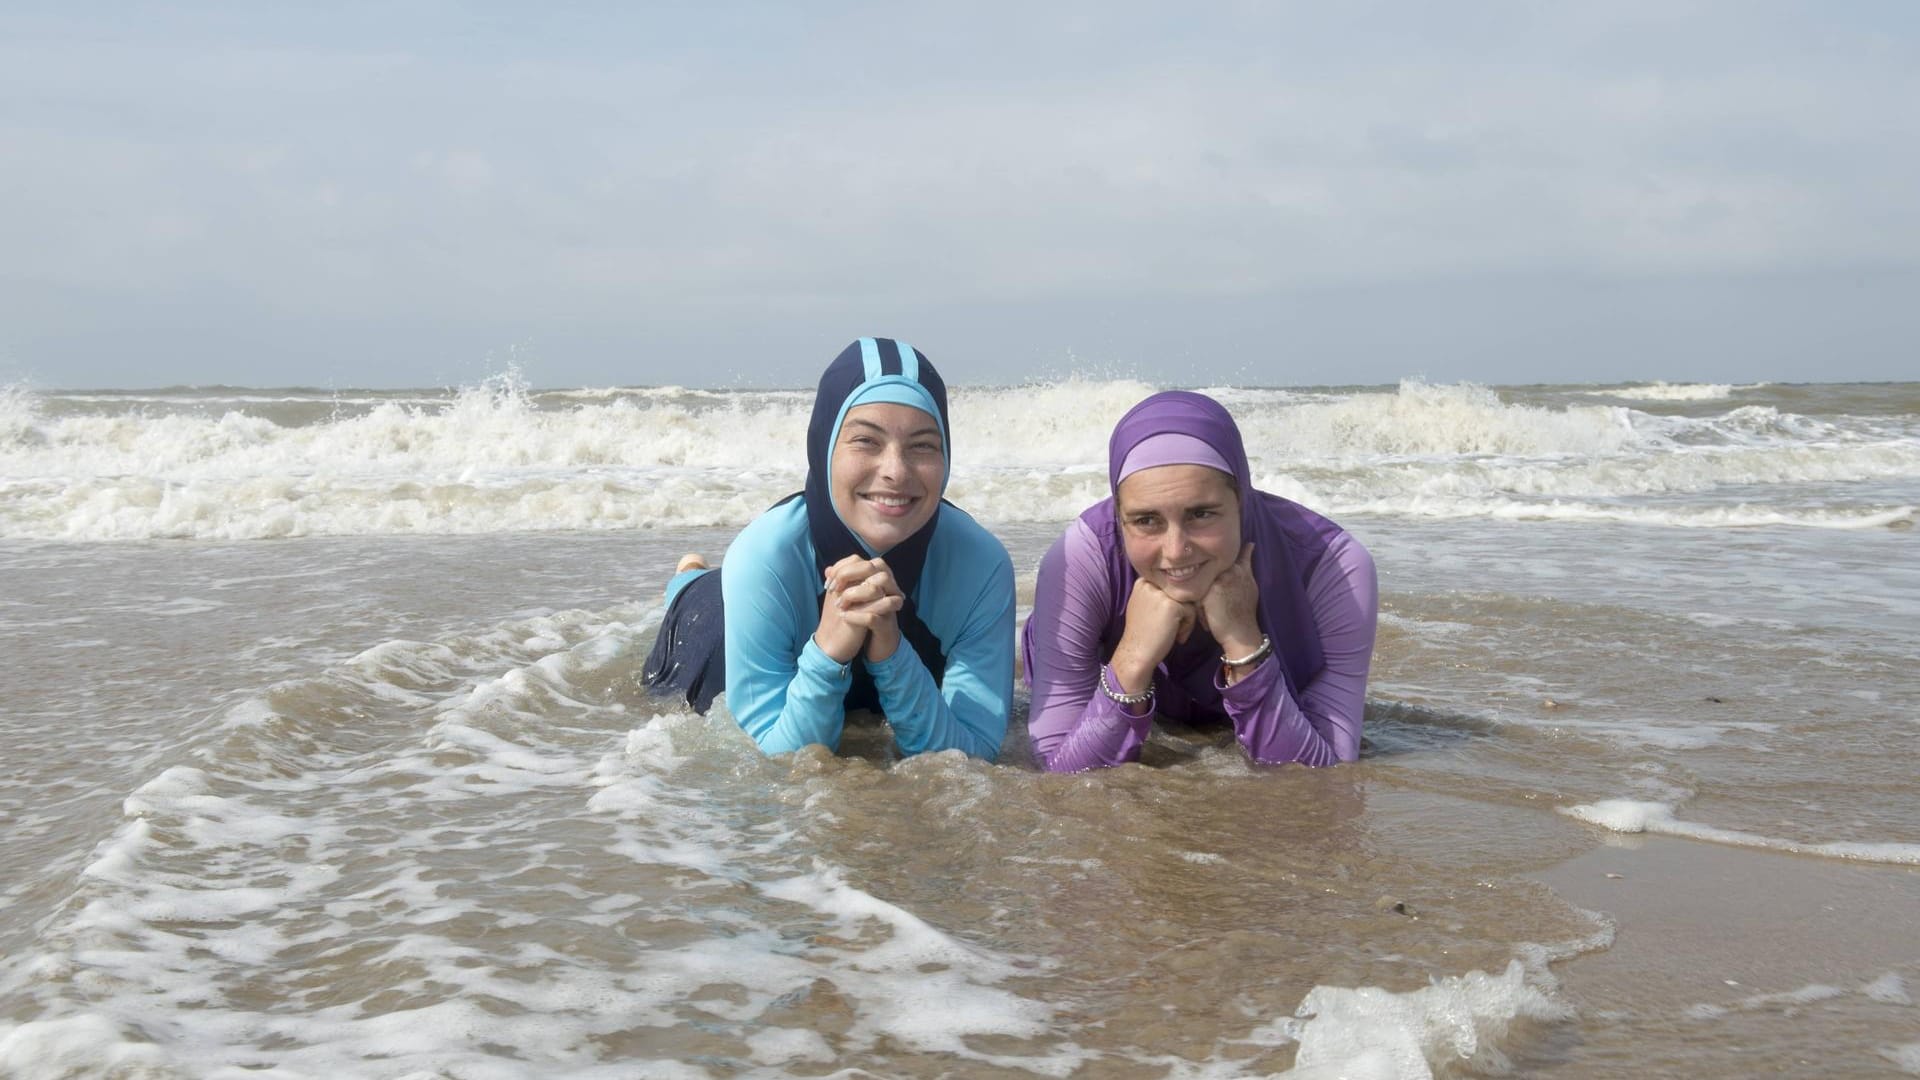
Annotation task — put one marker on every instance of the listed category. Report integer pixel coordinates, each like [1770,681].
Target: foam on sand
[1906,1056]
[1637,816]
[1457,1021]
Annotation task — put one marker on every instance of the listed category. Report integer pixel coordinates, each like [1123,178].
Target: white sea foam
[495,459]
[1905,1056]
[1456,1022]
[1785,999]
[910,984]
[1888,989]
[1637,816]
[1666,734]
[1665,391]
[189,911]
[81,1045]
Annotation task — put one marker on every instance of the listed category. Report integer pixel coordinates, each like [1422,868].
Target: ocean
[325,754]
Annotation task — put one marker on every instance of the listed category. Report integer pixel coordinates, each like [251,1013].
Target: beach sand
[1731,961]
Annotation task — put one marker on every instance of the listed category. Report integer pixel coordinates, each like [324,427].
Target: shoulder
[967,572]
[1346,558]
[960,540]
[1080,561]
[1090,541]
[775,544]
[1086,547]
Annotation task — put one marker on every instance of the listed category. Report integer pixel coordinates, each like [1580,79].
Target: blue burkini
[751,625]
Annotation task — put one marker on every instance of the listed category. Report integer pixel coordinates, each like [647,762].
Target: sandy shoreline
[1808,966]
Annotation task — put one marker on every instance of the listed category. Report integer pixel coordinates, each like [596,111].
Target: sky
[725,194]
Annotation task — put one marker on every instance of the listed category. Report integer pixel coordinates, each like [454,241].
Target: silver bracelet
[1125,699]
[1254,657]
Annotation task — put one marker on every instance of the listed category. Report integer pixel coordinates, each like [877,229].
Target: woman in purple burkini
[1190,595]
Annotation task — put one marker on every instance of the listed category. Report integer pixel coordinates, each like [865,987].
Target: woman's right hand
[1156,623]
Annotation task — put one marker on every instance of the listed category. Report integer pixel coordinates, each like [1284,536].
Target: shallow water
[369,802]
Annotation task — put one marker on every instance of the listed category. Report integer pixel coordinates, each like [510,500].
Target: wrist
[882,645]
[1132,704]
[1234,667]
[1240,641]
[1133,674]
[817,661]
[838,649]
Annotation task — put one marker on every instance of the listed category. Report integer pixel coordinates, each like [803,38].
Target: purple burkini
[1318,605]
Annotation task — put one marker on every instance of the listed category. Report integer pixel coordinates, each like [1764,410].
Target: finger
[872,615]
[847,572]
[889,601]
[869,590]
[1246,555]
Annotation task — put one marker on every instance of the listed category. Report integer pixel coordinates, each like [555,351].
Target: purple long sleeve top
[1074,726]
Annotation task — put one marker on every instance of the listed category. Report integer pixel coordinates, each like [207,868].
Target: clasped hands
[860,612]
[1156,622]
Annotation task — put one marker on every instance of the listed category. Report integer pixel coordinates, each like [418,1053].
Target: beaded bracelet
[1125,699]
[1254,657]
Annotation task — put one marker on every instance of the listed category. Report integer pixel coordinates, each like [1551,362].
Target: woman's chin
[882,533]
[1187,592]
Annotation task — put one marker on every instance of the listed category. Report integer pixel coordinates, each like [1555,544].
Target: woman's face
[1181,526]
[888,464]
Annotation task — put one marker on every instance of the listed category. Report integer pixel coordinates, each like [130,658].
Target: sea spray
[501,457]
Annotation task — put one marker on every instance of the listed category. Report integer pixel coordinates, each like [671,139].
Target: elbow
[779,742]
[1053,756]
[1316,754]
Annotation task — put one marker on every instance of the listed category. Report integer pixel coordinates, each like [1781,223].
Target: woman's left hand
[1231,607]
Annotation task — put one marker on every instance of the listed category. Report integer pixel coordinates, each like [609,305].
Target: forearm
[1319,723]
[1277,726]
[1089,732]
[967,709]
[807,709]
[924,719]
[1072,724]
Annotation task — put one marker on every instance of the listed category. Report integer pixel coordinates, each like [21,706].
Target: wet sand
[1737,962]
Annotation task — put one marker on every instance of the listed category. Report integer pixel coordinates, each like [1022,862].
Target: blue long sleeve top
[786,693]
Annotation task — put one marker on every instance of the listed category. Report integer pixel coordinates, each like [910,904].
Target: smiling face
[1181,526]
[888,465]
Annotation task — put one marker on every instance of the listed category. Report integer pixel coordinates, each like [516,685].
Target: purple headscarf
[1288,538]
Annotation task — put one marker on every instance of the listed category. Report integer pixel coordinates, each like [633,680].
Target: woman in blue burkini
[864,591]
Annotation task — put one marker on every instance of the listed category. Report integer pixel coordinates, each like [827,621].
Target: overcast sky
[415,194]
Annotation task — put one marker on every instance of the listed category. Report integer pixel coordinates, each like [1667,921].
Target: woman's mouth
[889,505]
[1180,574]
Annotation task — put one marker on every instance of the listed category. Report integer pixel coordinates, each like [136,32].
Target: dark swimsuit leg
[689,658]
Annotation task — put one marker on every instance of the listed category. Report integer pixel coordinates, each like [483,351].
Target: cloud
[643,174]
